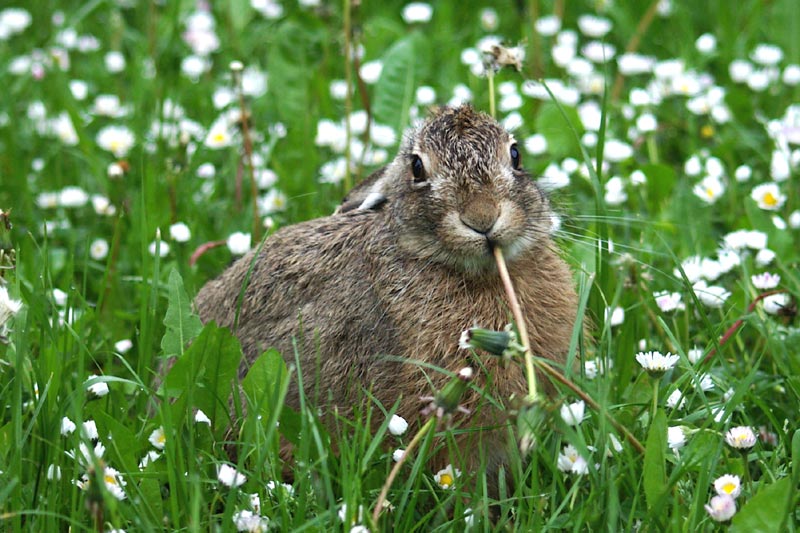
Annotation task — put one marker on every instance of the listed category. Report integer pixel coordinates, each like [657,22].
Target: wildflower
[768,196]
[615,316]
[765,280]
[703,382]
[249,521]
[271,202]
[570,461]
[655,363]
[791,75]
[694,355]
[753,239]
[547,26]
[764,257]
[398,454]
[446,477]
[89,430]
[116,139]
[706,44]
[740,437]
[122,346]
[616,150]
[775,303]
[573,413]
[728,485]
[229,476]
[148,458]
[111,478]
[709,189]
[615,195]
[72,197]
[99,389]
[598,52]
[8,306]
[371,71]
[397,425]
[721,508]
[676,437]
[446,401]
[710,295]
[53,472]
[158,247]
[276,487]
[767,55]
[359,529]
[594,367]
[779,166]
[668,301]
[425,95]
[158,438]
[219,135]
[676,400]
[417,12]
[180,232]
[536,144]
[201,418]
[593,26]
[743,173]
[67,426]
[239,243]
[98,249]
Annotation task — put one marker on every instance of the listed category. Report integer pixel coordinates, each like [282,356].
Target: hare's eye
[515,159]
[418,169]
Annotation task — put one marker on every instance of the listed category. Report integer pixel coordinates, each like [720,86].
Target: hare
[378,294]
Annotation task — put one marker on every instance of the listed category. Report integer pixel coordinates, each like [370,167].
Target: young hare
[378,296]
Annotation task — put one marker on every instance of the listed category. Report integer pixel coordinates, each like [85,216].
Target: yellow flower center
[110,480]
[728,488]
[707,131]
[710,192]
[445,480]
[770,199]
[219,137]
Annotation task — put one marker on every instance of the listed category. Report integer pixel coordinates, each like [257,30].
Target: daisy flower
[570,461]
[655,363]
[229,476]
[397,425]
[765,280]
[573,413]
[740,437]
[157,438]
[768,196]
[728,485]
[721,508]
[446,477]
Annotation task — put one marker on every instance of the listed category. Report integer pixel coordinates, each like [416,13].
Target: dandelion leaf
[204,376]
[561,140]
[181,324]
[403,67]
[265,384]
[767,510]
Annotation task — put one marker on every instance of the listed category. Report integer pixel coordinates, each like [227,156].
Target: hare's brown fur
[378,298]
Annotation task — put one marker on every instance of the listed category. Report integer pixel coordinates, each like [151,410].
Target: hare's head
[458,190]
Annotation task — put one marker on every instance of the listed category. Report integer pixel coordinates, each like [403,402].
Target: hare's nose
[480,216]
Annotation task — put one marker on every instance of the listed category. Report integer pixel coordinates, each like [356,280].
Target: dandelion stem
[519,318]
[561,378]
[429,425]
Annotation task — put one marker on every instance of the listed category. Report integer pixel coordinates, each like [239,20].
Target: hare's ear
[363,196]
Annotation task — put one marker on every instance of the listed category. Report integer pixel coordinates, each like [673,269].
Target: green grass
[51,348]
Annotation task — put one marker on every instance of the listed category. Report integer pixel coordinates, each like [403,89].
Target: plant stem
[430,424]
[248,151]
[655,398]
[519,318]
[492,111]
[348,97]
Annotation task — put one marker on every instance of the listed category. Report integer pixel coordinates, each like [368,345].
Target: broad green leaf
[181,324]
[766,511]
[660,185]
[204,375]
[240,13]
[402,69]
[655,469]
[264,382]
[561,141]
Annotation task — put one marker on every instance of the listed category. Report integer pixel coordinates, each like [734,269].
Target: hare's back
[309,277]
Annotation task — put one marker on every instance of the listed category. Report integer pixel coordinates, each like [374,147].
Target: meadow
[146,145]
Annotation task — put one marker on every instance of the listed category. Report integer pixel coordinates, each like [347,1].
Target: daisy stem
[516,310]
[428,426]
[655,398]
[652,148]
